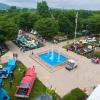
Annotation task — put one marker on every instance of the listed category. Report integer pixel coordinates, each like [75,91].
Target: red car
[77,46]
[25,87]
[96,60]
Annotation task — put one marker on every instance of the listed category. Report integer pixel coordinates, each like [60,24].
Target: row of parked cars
[27,42]
[84,46]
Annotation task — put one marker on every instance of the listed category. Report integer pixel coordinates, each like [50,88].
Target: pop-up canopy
[11,62]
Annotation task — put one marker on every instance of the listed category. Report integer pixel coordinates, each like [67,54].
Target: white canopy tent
[20,32]
[95,95]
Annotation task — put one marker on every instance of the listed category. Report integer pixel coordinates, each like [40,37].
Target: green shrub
[65,47]
[94,86]
[60,33]
[75,94]
[52,93]
[93,54]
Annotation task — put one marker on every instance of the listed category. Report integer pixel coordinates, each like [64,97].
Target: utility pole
[76,18]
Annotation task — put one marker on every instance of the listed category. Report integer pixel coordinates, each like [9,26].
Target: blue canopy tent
[11,65]
[12,62]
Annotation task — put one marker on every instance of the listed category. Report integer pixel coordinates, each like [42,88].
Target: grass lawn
[37,90]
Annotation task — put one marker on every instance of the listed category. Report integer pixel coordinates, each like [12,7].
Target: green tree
[47,27]
[27,20]
[93,23]
[43,9]
[8,30]
[66,23]
[13,8]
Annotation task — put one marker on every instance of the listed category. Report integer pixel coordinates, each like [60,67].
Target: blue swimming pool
[53,58]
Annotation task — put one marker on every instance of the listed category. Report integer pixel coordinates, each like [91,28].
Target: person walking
[67,48]
[11,76]
[32,53]
[13,55]
[67,45]
[16,55]
[21,48]
[55,41]
[10,83]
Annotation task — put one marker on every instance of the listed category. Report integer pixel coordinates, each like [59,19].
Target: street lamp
[86,28]
[76,26]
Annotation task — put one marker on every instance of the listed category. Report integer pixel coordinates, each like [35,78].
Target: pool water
[53,58]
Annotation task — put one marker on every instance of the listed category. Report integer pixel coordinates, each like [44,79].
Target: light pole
[76,27]
[86,28]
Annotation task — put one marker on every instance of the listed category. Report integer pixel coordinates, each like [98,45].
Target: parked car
[85,51]
[96,60]
[91,39]
[25,87]
[74,47]
[71,64]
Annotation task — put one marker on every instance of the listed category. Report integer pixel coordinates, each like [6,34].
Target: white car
[71,64]
[91,39]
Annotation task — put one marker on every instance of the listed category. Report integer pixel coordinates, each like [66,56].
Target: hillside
[4,6]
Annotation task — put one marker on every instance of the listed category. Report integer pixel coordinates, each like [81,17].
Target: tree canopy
[43,9]
[47,21]
[47,27]
[27,20]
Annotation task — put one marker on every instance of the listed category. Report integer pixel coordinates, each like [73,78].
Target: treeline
[47,22]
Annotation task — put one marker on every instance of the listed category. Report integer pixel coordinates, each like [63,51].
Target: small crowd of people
[11,78]
[22,49]
[41,40]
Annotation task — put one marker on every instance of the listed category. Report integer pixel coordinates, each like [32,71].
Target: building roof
[95,95]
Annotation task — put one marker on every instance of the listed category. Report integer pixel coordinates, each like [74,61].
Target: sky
[64,4]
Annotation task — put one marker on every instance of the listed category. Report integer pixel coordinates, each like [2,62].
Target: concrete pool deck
[45,64]
[86,74]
